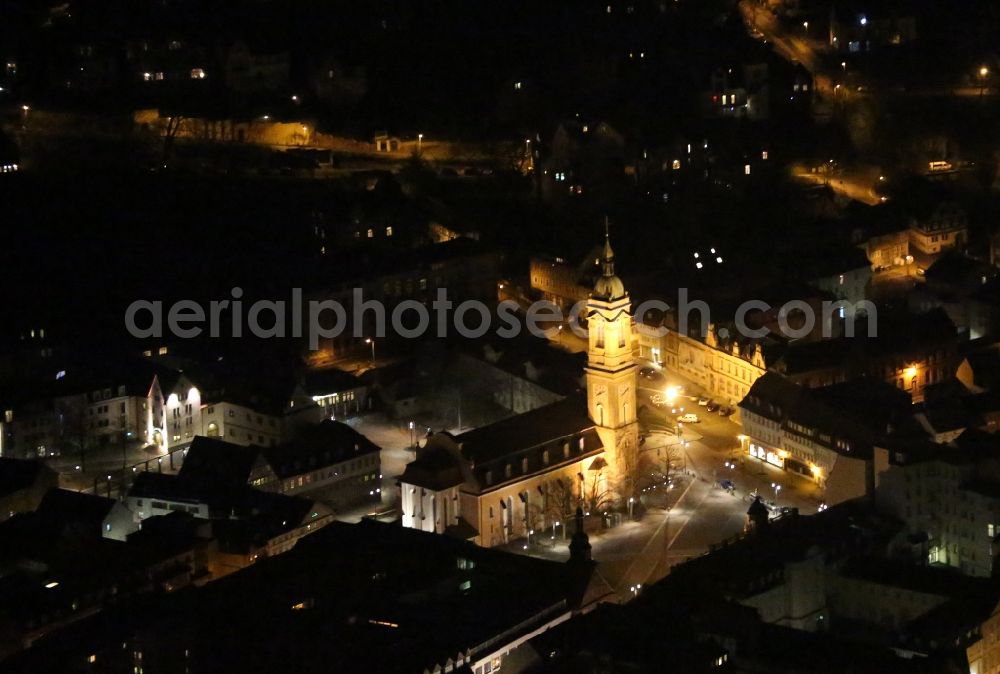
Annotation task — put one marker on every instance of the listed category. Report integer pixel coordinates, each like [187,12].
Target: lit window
[197,74]
[388,231]
[147,77]
[163,351]
[371,233]
[763,155]
[746,169]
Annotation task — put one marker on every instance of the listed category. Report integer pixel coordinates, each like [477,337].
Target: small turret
[579,546]
[757,516]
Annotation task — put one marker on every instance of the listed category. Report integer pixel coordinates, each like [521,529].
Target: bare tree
[560,502]
[174,123]
[597,495]
[76,427]
[629,471]
[657,472]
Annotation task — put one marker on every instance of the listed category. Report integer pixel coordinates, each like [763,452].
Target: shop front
[768,454]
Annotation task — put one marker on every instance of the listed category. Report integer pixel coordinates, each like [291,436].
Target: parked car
[688,418]
[650,373]
[728,485]
[712,406]
[703,401]
[726,411]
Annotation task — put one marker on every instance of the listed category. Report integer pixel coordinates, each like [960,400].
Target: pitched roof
[524,431]
[436,467]
[219,461]
[323,444]
[18,474]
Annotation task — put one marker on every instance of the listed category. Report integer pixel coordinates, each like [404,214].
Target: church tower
[611,374]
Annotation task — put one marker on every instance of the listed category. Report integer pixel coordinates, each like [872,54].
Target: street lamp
[983,73]
[412,439]
[805,25]
[777,488]
[369,340]
[420,140]
[631,500]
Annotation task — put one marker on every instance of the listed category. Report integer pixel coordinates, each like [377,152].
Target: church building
[530,472]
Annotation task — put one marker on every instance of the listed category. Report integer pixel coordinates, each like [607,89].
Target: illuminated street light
[420,141]
[369,340]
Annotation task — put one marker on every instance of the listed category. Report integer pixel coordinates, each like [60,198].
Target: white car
[688,418]
[703,401]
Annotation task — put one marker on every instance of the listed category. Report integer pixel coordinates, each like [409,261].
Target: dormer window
[507,470]
[545,457]
[524,465]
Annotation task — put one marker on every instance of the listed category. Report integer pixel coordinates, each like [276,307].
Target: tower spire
[609,254]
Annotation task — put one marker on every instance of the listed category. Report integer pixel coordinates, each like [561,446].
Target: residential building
[562,283]
[60,571]
[329,462]
[217,410]
[945,227]
[392,599]
[846,275]
[827,434]
[248,524]
[949,498]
